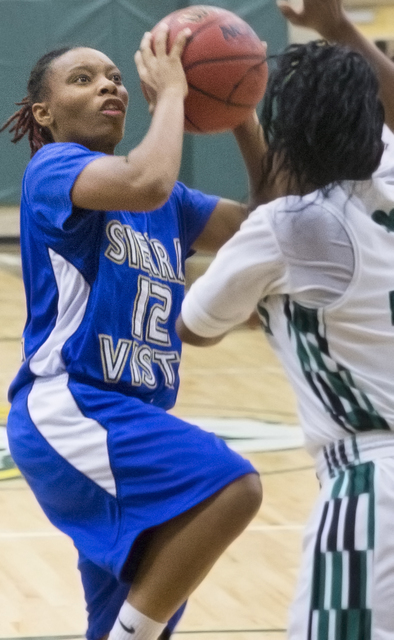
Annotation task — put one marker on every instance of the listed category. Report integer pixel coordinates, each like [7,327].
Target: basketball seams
[173,22]
[260,59]
[241,80]
[203,27]
[197,129]
[225,101]
[197,32]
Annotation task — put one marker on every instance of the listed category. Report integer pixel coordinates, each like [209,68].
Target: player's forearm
[344,32]
[264,185]
[250,139]
[160,152]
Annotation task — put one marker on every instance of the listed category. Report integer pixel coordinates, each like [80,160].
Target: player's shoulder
[286,208]
[60,149]
[182,192]
[314,214]
[54,153]
[190,201]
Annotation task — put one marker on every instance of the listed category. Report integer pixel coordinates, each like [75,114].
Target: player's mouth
[113,107]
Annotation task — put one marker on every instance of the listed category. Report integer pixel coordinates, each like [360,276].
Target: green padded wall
[29,28]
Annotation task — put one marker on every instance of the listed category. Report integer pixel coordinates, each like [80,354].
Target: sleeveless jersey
[340,357]
[103,289]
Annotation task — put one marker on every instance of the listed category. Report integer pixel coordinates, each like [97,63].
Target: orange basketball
[225,65]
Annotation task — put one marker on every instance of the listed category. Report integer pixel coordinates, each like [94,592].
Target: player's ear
[42,114]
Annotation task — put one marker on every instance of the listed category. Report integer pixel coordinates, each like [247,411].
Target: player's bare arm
[224,221]
[264,185]
[228,215]
[329,19]
[144,179]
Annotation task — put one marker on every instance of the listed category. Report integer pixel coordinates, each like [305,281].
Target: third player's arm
[228,214]
[265,185]
[329,19]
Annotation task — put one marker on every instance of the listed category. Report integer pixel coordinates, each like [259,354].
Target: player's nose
[107,86]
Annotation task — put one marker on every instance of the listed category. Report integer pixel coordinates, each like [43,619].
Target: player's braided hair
[22,122]
[322,116]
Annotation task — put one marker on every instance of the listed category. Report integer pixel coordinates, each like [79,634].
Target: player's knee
[248,496]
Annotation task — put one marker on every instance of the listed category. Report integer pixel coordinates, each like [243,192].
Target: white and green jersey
[321,272]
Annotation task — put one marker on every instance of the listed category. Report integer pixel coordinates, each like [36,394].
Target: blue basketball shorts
[106,467]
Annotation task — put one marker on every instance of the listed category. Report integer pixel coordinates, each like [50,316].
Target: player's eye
[82,78]
[117,78]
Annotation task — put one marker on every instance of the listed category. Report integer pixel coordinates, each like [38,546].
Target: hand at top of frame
[327,17]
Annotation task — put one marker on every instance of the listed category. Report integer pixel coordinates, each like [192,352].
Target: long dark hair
[322,117]
[22,122]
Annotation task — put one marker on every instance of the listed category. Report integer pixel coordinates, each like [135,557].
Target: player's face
[87,101]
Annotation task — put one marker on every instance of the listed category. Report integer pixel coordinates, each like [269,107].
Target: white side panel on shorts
[73,297]
[80,440]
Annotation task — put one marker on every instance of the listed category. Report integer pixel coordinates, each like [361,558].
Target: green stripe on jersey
[332,383]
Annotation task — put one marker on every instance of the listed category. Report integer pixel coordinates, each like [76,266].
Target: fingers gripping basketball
[225,65]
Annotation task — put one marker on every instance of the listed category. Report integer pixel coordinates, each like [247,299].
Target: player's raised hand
[159,70]
[325,16]
[329,19]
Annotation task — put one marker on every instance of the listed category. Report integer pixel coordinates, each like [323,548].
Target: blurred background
[29,28]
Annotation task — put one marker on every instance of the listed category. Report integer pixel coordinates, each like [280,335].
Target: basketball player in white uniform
[319,265]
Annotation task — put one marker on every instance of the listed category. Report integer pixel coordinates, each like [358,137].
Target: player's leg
[181,552]
[204,493]
[381,575]
[299,612]
[104,596]
[346,584]
[116,468]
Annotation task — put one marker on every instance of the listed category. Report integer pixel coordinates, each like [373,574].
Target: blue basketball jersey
[103,289]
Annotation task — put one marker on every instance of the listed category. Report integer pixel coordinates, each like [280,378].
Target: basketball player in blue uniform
[149,500]
[318,263]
